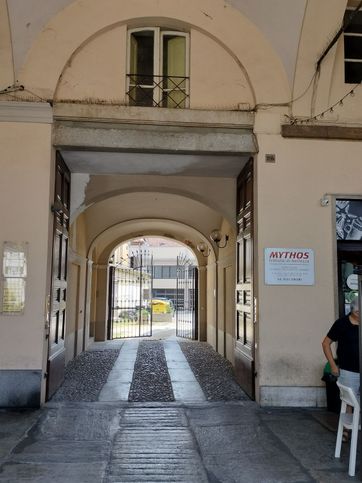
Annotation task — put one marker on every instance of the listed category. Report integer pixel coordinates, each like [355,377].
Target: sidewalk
[194,439]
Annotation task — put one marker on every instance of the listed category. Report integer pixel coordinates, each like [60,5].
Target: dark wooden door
[245,330]
[57,317]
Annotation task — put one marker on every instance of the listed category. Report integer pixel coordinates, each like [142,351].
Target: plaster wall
[81,21]
[6,58]
[73,332]
[226,84]
[314,93]
[78,235]
[216,193]
[97,71]
[294,319]
[25,217]
[226,293]
[211,327]
[76,288]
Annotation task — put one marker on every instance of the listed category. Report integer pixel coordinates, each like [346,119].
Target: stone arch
[188,194]
[108,239]
[64,34]
[106,242]
[151,22]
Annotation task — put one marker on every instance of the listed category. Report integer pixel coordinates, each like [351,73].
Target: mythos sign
[289,266]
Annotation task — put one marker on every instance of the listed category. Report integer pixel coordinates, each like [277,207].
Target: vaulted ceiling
[279,20]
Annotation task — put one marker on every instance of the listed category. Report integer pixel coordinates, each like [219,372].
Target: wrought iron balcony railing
[158,91]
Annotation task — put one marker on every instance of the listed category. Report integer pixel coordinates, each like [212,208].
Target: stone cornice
[322,132]
[86,112]
[14,111]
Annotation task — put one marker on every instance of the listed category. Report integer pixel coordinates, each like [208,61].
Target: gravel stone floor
[85,376]
[214,373]
[151,380]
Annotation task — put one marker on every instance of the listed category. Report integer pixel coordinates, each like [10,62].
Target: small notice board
[289,266]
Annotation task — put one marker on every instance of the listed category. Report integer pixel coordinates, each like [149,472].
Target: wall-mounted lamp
[216,237]
[324,201]
[203,249]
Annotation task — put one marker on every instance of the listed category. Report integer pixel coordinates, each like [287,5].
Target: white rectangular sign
[289,266]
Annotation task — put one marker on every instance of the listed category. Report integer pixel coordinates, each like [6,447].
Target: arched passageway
[153,290]
[115,220]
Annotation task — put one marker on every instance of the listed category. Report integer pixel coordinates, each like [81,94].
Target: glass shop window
[349,249]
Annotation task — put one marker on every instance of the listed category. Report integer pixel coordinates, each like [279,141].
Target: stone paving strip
[184,384]
[155,445]
[119,380]
[151,380]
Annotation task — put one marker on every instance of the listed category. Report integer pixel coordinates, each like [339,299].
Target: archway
[153,290]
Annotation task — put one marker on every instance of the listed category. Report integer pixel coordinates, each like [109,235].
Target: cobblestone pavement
[110,441]
[151,380]
[85,375]
[214,373]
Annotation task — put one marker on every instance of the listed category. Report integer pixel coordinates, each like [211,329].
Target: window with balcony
[158,68]
[353,46]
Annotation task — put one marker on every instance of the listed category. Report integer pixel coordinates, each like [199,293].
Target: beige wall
[98,70]
[6,58]
[152,197]
[211,328]
[82,22]
[25,217]
[294,319]
[80,54]
[226,293]
[216,89]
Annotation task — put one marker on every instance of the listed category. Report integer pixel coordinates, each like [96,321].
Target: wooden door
[56,351]
[245,330]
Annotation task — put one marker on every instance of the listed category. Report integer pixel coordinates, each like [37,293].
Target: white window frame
[352,34]
[186,35]
[159,35]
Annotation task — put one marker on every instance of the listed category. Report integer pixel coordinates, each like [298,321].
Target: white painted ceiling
[95,162]
[279,20]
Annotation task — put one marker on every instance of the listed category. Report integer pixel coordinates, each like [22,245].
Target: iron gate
[130,294]
[186,301]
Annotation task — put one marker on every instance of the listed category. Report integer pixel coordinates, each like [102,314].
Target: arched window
[158,68]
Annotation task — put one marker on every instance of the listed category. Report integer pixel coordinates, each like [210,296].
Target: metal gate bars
[186,301]
[130,294]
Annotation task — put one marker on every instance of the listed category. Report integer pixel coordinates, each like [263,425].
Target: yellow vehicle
[160,306]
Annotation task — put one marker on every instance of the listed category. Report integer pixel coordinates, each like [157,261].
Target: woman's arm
[326,344]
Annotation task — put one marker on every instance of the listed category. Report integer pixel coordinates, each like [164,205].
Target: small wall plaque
[14,272]
[270,158]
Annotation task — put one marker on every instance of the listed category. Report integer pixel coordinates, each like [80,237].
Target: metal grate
[158,91]
[130,298]
[186,305]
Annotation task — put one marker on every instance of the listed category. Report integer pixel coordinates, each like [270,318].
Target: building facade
[174,118]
